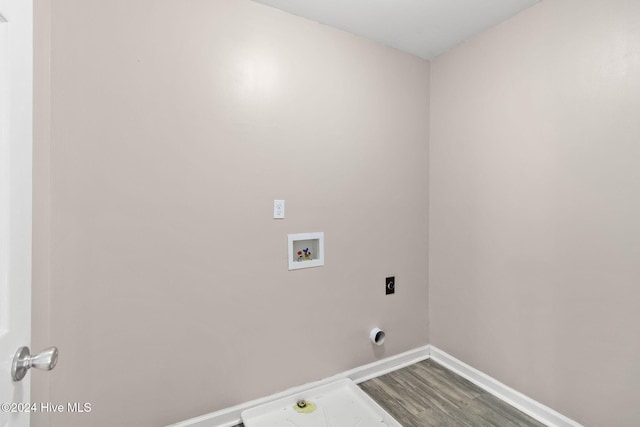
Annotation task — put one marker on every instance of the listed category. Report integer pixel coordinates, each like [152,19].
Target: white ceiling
[424,28]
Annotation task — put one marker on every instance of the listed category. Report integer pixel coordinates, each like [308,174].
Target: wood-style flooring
[426,394]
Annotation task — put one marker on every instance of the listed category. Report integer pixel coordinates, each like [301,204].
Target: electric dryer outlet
[390,285]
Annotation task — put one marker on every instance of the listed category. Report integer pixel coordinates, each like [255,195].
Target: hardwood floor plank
[435,418]
[432,396]
[390,391]
[437,374]
[391,402]
[507,412]
[423,395]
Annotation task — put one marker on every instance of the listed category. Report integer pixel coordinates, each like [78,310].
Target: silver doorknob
[23,361]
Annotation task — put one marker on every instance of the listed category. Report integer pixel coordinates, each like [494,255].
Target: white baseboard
[231,416]
[534,409]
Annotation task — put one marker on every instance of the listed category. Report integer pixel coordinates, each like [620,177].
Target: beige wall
[164,132]
[170,129]
[534,194]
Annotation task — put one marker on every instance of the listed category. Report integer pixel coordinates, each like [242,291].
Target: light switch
[278,209]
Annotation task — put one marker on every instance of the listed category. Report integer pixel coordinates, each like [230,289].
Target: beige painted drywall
[534,195]
[165,130]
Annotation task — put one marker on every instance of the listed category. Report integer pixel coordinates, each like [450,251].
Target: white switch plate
[278,209]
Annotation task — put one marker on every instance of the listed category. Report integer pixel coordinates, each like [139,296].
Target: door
[16,71]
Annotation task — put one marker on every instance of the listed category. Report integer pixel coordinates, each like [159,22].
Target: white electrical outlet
[278,209]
